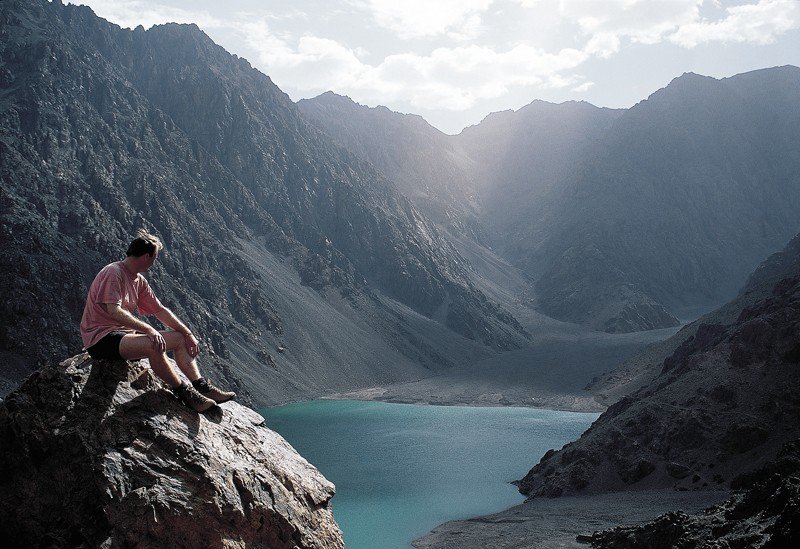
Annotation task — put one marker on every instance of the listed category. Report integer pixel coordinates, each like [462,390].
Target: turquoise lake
[402,469]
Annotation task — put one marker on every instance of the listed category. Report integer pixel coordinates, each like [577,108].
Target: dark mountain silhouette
[642,368]
[743,359]
[763,511]
[267,223]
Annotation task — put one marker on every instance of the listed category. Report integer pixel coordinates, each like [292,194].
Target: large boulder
[99,453]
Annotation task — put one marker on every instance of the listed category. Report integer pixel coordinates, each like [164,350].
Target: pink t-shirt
[115,284]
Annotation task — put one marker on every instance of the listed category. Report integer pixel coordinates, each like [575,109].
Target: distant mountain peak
[335,100]
[331,96]
[691,78]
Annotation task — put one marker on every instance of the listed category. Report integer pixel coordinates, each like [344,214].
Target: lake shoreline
[424,392]
[541,522]
[550,523]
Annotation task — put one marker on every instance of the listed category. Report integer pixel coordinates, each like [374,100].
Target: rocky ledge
[98,453]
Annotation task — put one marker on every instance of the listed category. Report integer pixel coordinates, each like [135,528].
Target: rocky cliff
[101,454]
[642,368]
[723,403]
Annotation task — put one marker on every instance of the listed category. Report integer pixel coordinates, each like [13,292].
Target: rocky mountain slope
[624,219]
[424,164]
[642,368]
[723,403]
[104,130]
[101,454]
[522,161]
[680,201]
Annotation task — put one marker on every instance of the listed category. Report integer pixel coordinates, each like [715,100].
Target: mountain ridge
[628,219]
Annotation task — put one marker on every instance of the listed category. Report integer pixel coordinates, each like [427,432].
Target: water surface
[402,469]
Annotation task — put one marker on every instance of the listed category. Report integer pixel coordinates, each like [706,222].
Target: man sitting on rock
[110,331]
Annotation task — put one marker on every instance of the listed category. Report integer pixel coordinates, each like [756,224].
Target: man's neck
[131,266]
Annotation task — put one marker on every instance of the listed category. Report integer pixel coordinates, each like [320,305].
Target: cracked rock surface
[92,455]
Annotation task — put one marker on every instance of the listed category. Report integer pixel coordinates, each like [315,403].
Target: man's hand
[192,345]
[157,340]
[125,318]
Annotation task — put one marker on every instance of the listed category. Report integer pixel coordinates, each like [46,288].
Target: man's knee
[155,354]
[151,353]
[175,341]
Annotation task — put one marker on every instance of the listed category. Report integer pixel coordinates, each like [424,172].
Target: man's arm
[168,318]
[118,313]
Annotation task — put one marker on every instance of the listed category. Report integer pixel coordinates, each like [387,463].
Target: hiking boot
[209,390]
[189,396]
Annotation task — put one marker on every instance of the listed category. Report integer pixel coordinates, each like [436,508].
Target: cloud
[603,44]
[639,21]
[583,87]
[459,19]
[450,78]
[454,54]
[606,26]
[754,23]
[456,77]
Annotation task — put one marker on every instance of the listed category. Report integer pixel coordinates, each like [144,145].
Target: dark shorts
[108,346]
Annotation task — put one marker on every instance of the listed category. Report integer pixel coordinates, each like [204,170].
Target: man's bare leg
[188,365]
[177,344]
[136,346]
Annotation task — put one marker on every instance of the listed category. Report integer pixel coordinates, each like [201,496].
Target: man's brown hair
[144,243]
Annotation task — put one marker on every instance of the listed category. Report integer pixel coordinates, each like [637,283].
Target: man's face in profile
[151,258]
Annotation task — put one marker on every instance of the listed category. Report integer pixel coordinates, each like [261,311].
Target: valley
[640,265]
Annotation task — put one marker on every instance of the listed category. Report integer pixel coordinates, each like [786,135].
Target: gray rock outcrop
[93,453]
[764,512]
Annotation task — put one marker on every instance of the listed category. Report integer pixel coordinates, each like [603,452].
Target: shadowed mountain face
[424,164]
[687,193]
[642,368]
[624,219]
[723,402]
[104,130]
[763,512]
[522,160]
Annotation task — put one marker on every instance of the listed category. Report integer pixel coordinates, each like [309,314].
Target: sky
[455,61]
